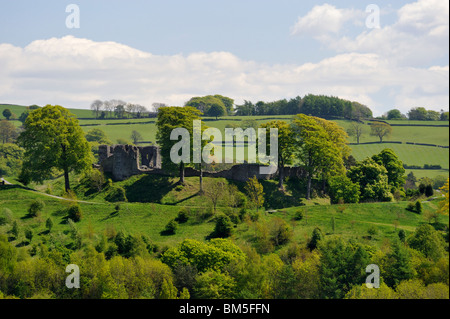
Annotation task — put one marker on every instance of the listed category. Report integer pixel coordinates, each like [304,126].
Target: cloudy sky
[168,51]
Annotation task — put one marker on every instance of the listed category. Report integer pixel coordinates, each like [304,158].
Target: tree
[8,132]
[28,234]
[356,129]
[119,111]
[394,167]
[255,192]
[394,115]
[417,114]
[428,241]
[136,136]
[49,224]
[169,119]
[36,206]
[315,149]
[342,188]
[316,237]
[285,146]
[97,135]
[217,110]
[96,107]
[215,192]
[342,265]
[53,139]
[372,179]
[380,130]
[399,267]
[223,227]
[210,105]
[7,113]
[444,204]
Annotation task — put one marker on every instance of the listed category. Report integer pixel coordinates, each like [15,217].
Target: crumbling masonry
[124,161]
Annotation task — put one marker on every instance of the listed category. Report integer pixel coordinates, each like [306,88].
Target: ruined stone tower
[124,161]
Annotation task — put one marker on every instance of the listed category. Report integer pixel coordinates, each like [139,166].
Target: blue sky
[168,51]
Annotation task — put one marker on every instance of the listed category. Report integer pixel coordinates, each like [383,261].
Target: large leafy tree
[169,119]
[212,105]
[314,148]
[285,146]
[53,139]
[394,167]
[372,179]
[380,130]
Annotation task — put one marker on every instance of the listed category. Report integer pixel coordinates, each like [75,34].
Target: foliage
[214,255]
[171,227]
[74,212]
[52,139]
[97,135]
[394,167]
[223,227]
[8,132]
[35,207]
[443,204]
[342,188]
[428,241]
[380,130]
[255,192]
[170,118]
[372,179]
[285,145]
[116,194]
[342,265]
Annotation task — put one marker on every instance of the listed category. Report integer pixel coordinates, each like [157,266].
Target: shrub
[116,194]
[28,234]
[402,235]
[74,212]
[372,231]
[280,232]
[183,216]
[224,226]
[298,215]
[418,207]
[49,224]
[36,206]
[171,227]
[315,238]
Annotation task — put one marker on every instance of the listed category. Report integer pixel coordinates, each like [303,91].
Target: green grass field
[351,220]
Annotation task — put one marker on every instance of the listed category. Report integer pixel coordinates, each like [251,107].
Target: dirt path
[53,196]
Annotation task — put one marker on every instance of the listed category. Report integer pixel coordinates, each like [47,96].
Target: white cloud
[417,38]
[324,20]
[73,72]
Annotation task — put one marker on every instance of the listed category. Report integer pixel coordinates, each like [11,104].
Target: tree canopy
[53,139]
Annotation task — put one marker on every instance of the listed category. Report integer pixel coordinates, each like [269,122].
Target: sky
[386,54]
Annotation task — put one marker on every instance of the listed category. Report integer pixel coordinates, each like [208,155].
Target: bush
[183,216]
[36,206]
[74,212]
[171,227]
[298,215]
[116,194]
[418,207]
[224,226]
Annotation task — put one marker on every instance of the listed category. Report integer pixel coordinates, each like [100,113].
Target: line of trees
[314,105]
[417,114]
[118,109]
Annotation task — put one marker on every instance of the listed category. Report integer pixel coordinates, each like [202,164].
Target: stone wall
[124,161]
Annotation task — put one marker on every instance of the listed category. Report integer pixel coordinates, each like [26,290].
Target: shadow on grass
[149,189]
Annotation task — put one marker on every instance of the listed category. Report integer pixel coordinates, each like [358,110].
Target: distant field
[409,154]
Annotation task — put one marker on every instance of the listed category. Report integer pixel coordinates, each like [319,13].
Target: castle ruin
[124,161]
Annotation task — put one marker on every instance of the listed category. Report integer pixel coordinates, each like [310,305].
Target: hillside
[351,220]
